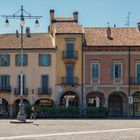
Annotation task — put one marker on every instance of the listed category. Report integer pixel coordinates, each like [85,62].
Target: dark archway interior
[4,108]
[72,98]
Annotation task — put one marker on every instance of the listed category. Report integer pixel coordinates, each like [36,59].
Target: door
[115,106]
[45,84]
[69,73]
[70,48]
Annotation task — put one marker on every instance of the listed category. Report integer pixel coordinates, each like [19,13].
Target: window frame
[25,63]
[8,57]
[49,60]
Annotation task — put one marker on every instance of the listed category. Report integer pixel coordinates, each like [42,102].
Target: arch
[16,105]
[69,98]
[4,112]
[117,104]
[96,99]
[136,103]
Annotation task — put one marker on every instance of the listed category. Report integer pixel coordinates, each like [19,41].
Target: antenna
[128,20]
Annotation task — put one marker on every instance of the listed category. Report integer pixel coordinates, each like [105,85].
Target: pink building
[111,62]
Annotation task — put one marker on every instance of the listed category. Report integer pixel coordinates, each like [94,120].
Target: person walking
[33,113]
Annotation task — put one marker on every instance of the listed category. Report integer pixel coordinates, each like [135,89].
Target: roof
[36,41]
[57,19]
[68,27]
[120,37]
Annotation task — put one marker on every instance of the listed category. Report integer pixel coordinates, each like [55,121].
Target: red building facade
[111,67]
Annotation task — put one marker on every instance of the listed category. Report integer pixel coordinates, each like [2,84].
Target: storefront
[136,104]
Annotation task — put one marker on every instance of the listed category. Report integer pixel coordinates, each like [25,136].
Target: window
[4,60]
[95,70]
[18,60]
[138,73]
[70,49]
[45,83]
[116,71]
[4,82]
[44,59]
[70,73]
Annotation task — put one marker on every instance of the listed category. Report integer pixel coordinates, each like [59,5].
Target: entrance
[115,106]
[69,98]
[3,108]
[136,104]
[16,106]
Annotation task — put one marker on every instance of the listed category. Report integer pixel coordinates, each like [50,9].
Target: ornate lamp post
[21,15]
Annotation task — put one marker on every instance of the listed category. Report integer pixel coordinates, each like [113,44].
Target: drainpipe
[129,72]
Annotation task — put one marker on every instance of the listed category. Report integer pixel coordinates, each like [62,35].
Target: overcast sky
[92,13]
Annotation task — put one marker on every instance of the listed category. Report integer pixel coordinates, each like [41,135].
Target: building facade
[68,36]
[73,66]
[111,70]
[38,71]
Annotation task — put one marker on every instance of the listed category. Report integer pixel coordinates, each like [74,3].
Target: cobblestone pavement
[71,129]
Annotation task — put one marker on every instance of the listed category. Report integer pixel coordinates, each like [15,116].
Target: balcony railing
[42,91]
[134,81]
[70,55]
[69,81]
[5,89]
[17,91]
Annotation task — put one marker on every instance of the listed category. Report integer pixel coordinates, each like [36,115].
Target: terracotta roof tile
[68,27]
[64,19]
[36,41]
[121,37]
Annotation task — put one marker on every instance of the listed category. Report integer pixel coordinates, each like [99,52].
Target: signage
[46,102]
[130,100]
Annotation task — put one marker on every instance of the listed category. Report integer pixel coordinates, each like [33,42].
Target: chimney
[52,15]
[138,25]
[75,16]
[109,33]
[28,34]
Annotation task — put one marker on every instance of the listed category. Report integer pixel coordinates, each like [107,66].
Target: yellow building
[38,70]
[68,36]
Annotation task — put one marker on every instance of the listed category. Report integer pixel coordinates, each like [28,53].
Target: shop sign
[45,102]
[130,100]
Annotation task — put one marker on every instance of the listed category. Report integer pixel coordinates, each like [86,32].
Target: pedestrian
[32,113]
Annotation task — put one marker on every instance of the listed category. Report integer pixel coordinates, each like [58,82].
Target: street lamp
[21,15]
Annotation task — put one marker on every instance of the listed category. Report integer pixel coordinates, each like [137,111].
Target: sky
[92,13]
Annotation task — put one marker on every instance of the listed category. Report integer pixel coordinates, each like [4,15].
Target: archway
[117,104]
[69,98]
[136,104]
[96,99]
[16,106]
[3,108]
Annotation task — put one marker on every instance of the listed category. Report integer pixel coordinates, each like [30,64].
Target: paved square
[71,129]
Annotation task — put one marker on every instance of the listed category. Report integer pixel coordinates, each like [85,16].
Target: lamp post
[21,15]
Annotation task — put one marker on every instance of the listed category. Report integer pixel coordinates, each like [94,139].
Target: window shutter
[119,71]
[49,60]
[138,73]
[112,71]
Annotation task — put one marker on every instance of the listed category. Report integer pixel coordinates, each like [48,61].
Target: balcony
[134,81]
[43,91]
[17,91]
[70,55]
[70,81]
[5,89]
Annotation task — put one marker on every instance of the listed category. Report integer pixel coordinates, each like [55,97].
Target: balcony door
[45,83]
[4,82]
[69,73]
[70,50]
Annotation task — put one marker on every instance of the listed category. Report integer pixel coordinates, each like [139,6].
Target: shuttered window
[44,59]
[95,70]
[4,60]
